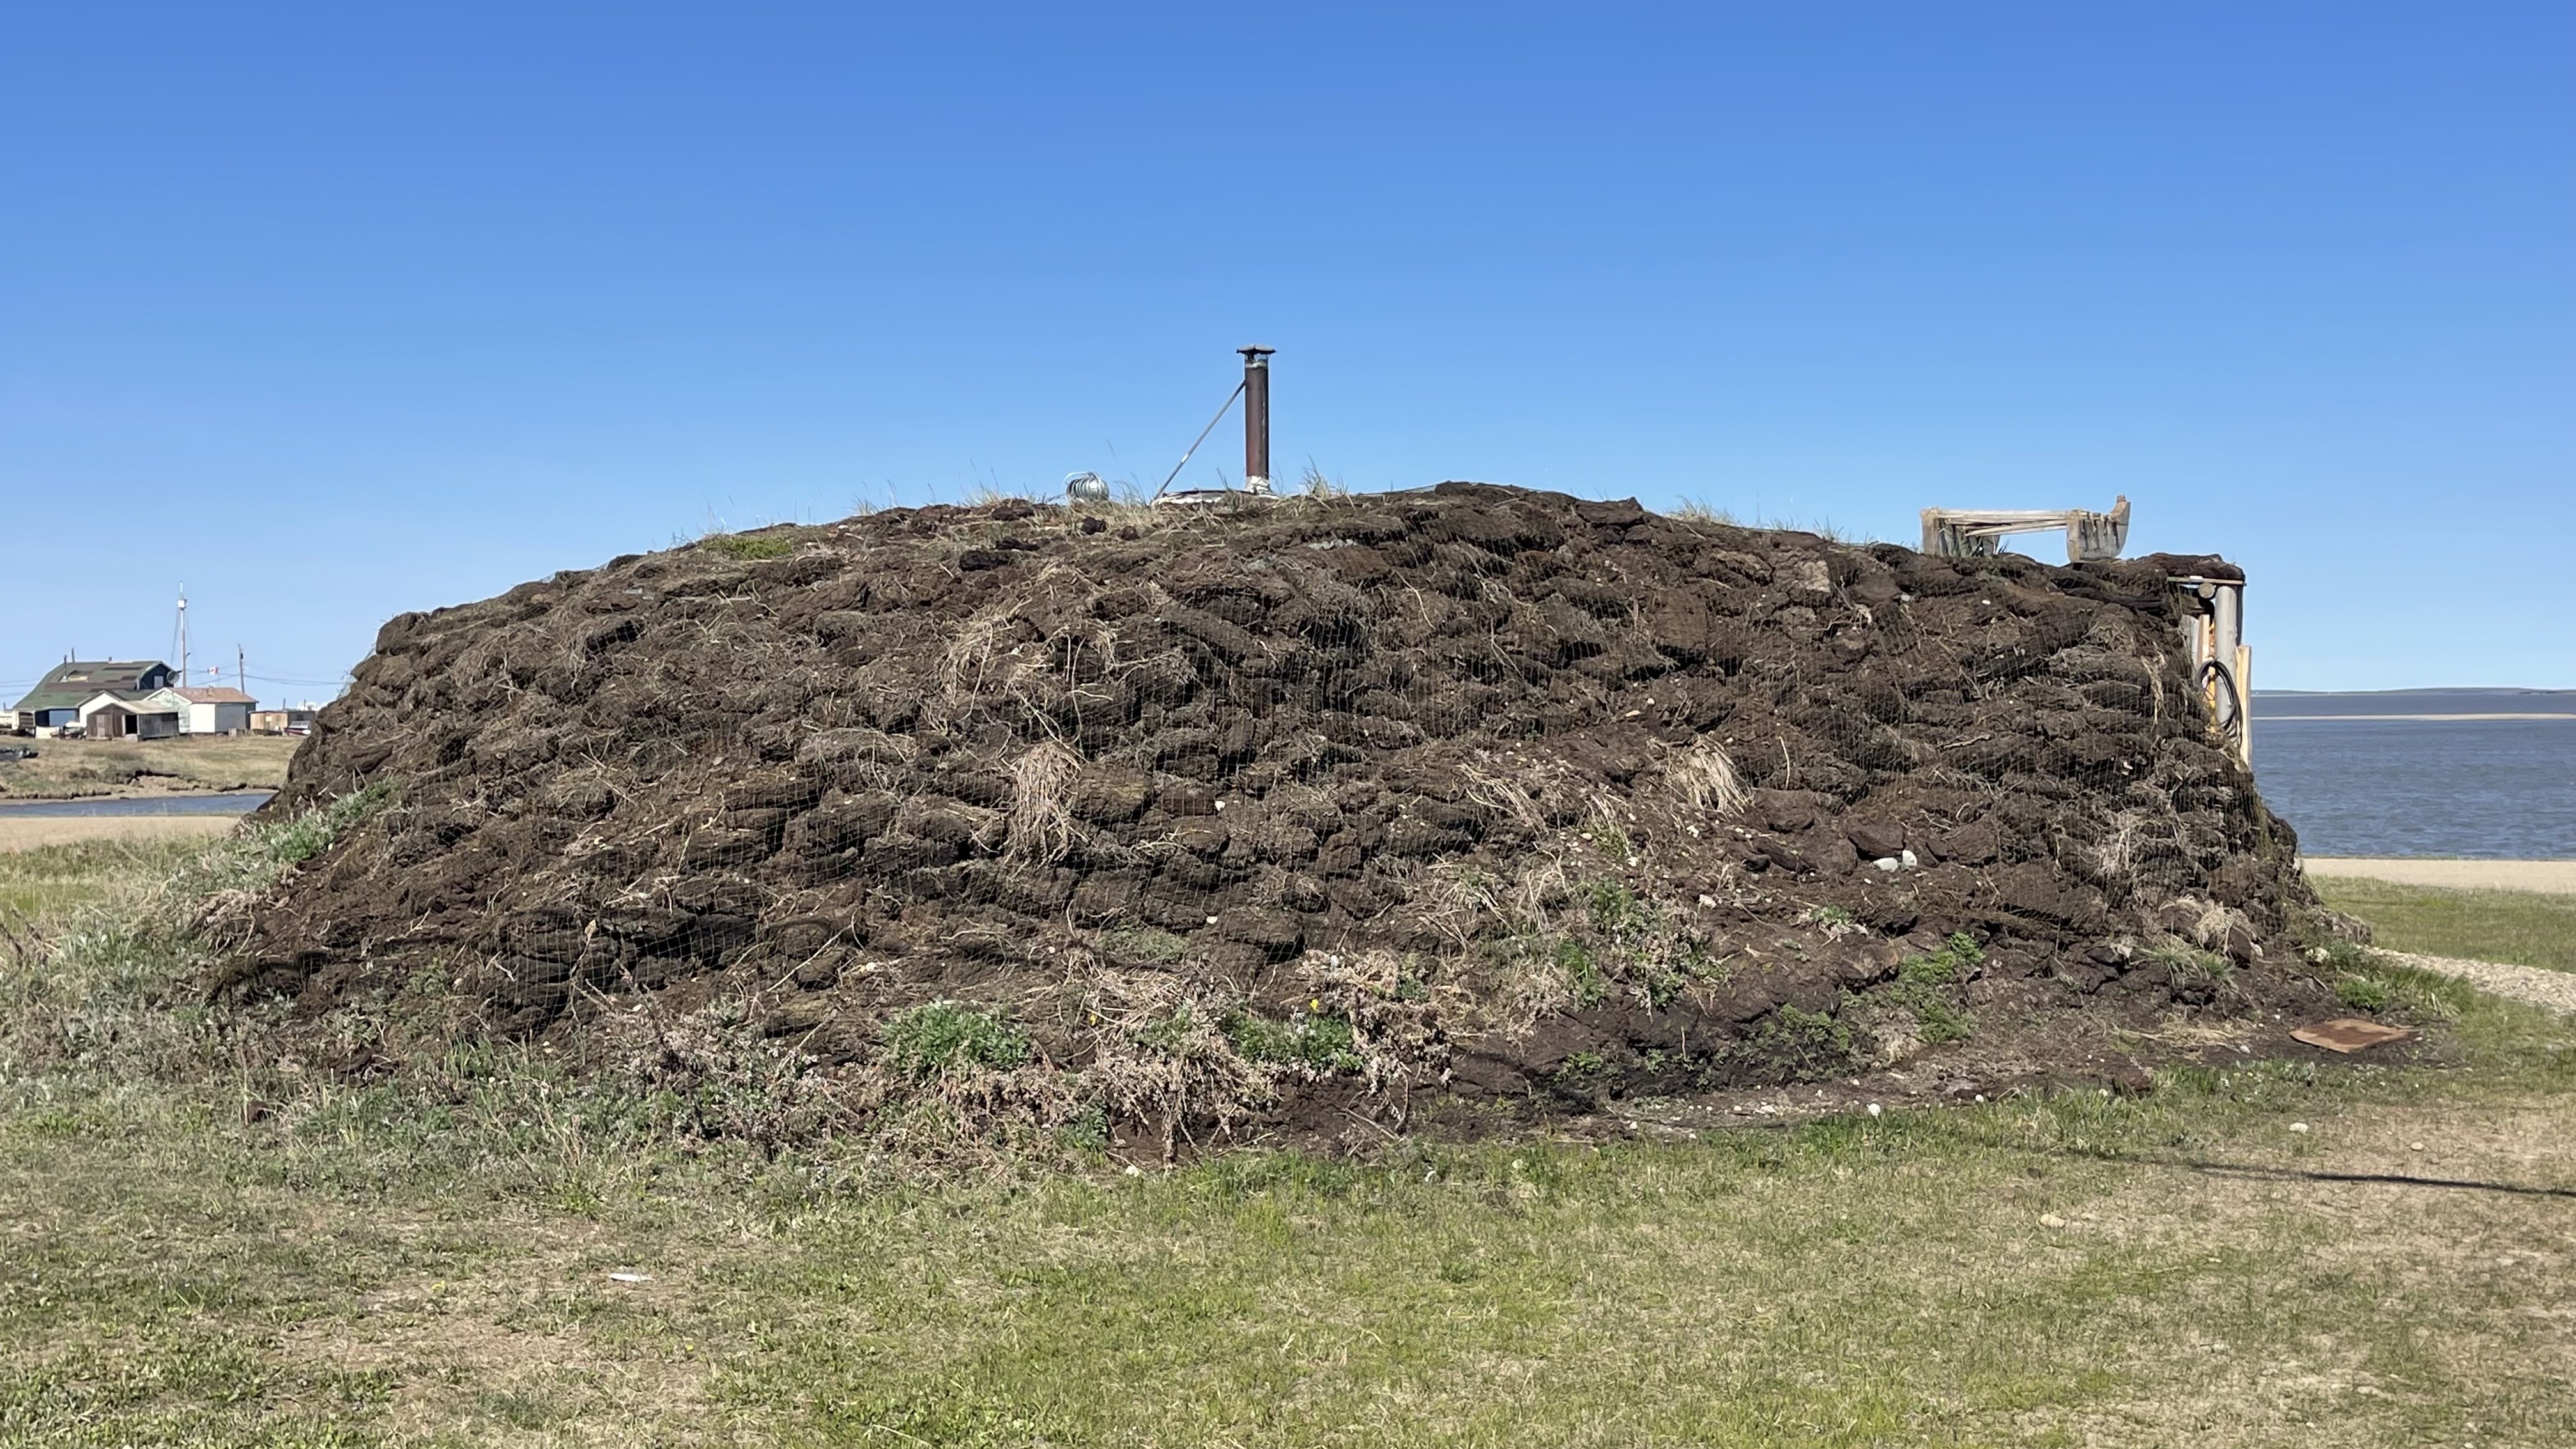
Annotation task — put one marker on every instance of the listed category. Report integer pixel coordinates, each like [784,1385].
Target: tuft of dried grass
[1704,779]
[1041,818]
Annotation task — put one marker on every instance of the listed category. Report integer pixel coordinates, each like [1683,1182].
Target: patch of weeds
[1829,916]
[1661,986]
[1610,837]
[2339,956]
[1581,1068]
[1938,1021]
[1957,957]
[1922,983]
[1699,965]
[2384,988]
[748,548]
[1141,946]
[1802,1046]
[1087,1132]
[1616,911]
[1168,1035]
[1314,1039]
[299,838]
[1583,974]
[941,1038]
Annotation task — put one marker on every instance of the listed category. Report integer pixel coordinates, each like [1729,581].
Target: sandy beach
[2552,877]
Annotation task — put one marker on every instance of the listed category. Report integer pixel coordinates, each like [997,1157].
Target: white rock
[1873,1109]
[2051,1220]
[1888,863]
[2298,1126]
[1908,857]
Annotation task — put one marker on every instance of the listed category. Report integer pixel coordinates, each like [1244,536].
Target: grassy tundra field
[81,769]
[203,1245]
[2526,928]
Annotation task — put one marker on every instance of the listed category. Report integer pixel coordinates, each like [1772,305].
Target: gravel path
[2553,989]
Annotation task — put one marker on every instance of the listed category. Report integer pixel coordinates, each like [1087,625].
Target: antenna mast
[183,636]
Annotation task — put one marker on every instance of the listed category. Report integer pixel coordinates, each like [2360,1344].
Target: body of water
[236,803]
[2475,773]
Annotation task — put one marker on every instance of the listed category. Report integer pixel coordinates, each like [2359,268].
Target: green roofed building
[57,698]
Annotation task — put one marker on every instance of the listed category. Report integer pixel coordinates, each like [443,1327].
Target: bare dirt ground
[28,832]
[2554,877]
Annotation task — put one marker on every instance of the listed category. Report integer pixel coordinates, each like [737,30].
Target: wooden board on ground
[2349,1034]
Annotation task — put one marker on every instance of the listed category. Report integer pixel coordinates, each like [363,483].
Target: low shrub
[944,1038]
[1311,1039]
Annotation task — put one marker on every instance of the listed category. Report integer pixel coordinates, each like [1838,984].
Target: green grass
[52,879]
[944,1038]
[368,1262]
[73,768]
[1923,987]
[2522,927]
[1325,1043]
[175,1276]
[747,547]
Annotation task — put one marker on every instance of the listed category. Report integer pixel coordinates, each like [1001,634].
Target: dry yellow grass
[80,769]
[30,832]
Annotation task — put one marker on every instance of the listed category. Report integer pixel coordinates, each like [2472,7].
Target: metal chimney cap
[1252,353]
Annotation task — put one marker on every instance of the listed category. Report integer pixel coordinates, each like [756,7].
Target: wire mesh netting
[1174,822]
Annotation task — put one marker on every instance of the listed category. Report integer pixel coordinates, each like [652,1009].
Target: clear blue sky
[337,311]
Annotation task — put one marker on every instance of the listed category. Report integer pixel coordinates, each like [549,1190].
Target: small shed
[214,711]
[128,717]
[283,721]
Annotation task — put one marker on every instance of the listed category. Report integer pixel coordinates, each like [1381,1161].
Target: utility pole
[184,680]
[1256,418]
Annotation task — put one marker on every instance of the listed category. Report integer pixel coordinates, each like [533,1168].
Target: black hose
[2227,687]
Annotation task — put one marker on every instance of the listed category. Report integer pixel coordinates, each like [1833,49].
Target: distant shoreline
[2493,689]
[2546,877]
[2262,718]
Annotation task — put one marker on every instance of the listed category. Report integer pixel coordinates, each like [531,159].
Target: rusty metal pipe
[1256,418]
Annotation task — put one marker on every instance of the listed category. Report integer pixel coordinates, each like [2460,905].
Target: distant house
[283,721]
[57,699]
[111,715]
[210,711]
